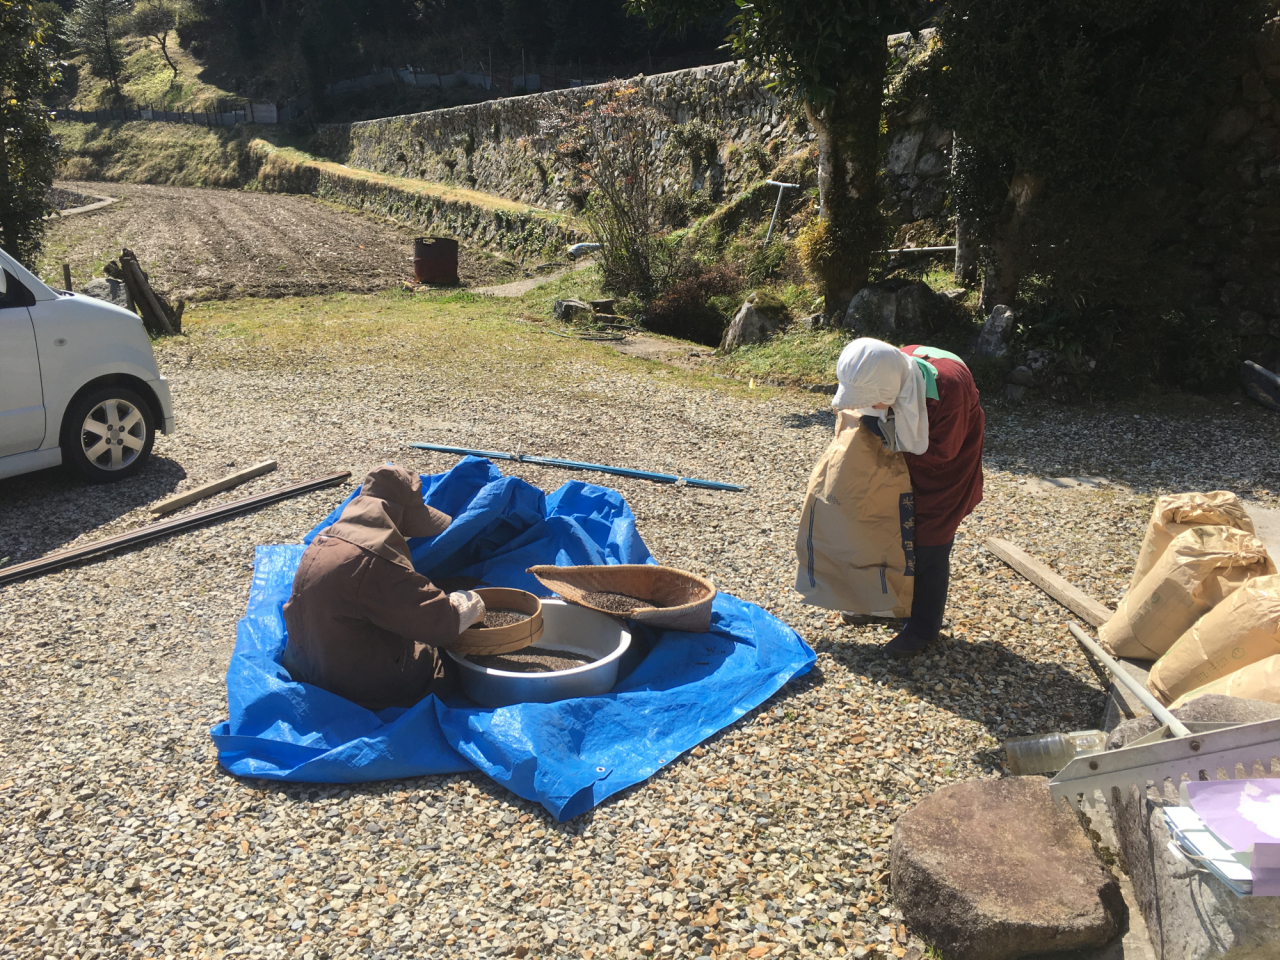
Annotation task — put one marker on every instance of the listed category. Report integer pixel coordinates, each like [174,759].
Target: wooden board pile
[158,316]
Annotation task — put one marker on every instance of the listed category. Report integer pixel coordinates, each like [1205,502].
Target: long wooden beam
[154,531]
[1067,594]
[212,487]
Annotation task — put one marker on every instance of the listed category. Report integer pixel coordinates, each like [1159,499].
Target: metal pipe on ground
[578,465]
[1119,674]
[156,530]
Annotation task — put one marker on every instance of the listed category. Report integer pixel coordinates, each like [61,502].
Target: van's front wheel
[107,434]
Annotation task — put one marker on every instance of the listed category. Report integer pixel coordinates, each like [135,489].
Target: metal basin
[565,627]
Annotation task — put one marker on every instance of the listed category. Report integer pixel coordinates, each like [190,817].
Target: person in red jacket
[924,402]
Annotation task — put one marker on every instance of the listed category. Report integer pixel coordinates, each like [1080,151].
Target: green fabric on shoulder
[930,378]
[937,353]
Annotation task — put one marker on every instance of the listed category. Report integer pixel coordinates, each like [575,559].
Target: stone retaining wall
[503,147]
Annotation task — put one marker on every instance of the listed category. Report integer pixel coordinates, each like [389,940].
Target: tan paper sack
[1257,681]
[855,546]
[1199,569]
[1242,629]
[1178,513]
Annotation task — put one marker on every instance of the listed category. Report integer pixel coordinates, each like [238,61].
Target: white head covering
[870,372]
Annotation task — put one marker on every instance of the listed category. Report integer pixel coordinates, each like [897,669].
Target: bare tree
[156,19]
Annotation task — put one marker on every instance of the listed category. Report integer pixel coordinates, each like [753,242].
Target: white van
[78,382]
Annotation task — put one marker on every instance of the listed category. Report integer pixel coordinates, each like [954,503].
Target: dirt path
[213,244]
[518,288]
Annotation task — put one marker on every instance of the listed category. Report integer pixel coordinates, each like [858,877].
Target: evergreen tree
[96,27]
[27,150]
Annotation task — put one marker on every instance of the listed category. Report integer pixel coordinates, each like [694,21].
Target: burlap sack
[856,543]
[1178,513]
[1257,681]
[1242,629]
[1199,569]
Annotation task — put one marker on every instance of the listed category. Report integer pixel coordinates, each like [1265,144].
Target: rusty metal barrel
[435,260]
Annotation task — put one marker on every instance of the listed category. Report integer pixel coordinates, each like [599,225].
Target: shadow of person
[43,511]
[803,421]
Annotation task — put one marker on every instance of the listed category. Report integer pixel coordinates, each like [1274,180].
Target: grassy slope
[477,198]
[808,358]
[144,152]
[147,79]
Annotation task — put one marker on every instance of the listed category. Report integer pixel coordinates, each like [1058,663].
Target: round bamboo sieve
[483,641]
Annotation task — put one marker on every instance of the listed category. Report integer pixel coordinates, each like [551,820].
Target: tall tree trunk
[163,40]
[109,55]
[848,130]
[1004,263]
[966,272]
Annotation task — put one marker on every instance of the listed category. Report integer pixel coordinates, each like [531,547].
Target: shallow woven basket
[681,601]
[484,641]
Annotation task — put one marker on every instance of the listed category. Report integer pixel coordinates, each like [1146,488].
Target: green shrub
[698,307]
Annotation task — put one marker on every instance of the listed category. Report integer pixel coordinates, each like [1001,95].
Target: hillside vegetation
[144,152]
[145,80]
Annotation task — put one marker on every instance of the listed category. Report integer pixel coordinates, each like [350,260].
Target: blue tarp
[569,756]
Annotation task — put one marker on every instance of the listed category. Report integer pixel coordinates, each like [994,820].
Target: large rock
[1211,708]
[748,325]
[993,870]
[993,340]
[896,311]
[108,289]
[571,311]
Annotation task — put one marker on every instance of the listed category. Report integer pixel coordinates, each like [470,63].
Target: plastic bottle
[1050,752]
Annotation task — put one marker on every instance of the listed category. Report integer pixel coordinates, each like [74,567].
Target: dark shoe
[906,645]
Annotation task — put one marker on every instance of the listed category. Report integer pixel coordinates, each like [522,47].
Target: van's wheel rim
[113,434]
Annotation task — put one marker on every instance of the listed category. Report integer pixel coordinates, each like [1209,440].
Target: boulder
[1022,376]
[896,311]
[748,325]
[571,311]
[872,311]
[1211,708]
[108,289]
[931,165]
[902,151]
[994,869]
[1260,384]
[993,340]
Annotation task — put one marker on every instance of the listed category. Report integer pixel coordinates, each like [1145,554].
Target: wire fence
[265,113]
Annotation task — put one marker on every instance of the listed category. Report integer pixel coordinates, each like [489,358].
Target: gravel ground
[123,837]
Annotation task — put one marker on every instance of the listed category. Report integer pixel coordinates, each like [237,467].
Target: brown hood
[388,509]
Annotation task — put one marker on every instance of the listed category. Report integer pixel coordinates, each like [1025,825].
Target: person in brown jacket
[362,623]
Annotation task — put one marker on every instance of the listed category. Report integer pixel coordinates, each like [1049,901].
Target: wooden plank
[1070,596]
[153,531]
[212,487]
[144,296]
